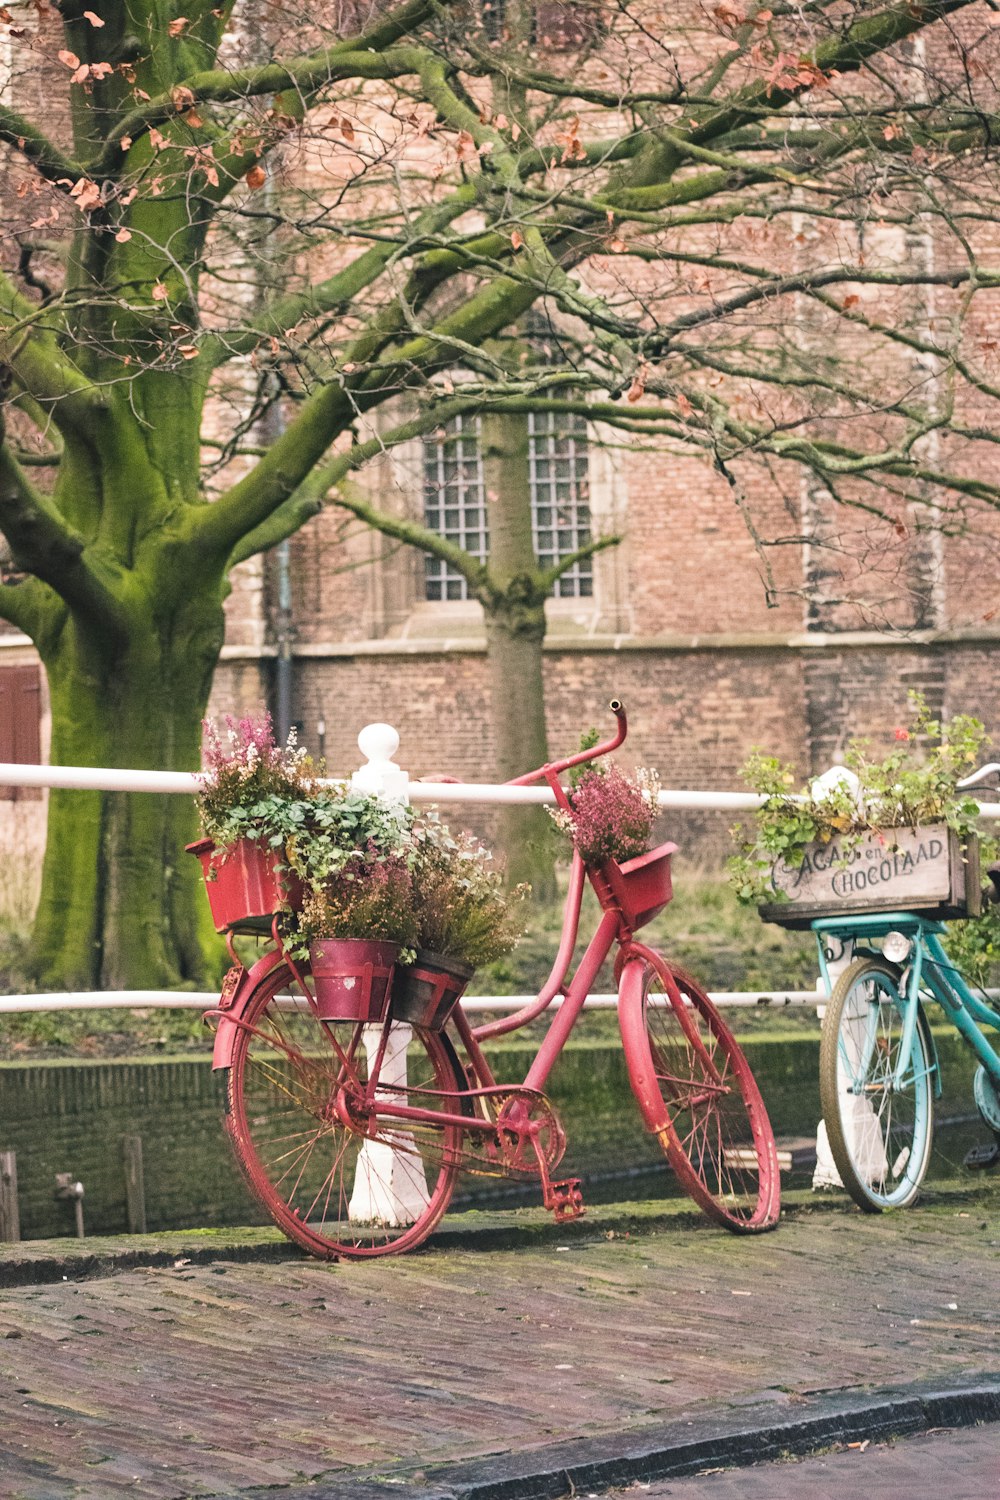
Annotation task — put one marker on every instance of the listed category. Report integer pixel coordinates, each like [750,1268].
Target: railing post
[10,1221]
[380,775]
[825,1174]
[135,1188]
[389,1185]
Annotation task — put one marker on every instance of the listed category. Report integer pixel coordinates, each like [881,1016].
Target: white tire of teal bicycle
[879,1114]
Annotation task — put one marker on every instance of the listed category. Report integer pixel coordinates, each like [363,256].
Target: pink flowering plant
[252,788]
[611,814]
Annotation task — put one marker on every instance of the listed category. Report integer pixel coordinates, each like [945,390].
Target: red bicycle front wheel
[696,1092]
[368,1187]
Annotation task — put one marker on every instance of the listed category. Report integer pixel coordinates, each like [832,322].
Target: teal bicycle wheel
[879,1120]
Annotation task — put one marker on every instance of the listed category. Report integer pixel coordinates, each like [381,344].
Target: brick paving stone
[199,1380]
[960,1466]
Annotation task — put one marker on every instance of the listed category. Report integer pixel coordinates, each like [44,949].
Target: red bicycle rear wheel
[696,1092]
[373,1187]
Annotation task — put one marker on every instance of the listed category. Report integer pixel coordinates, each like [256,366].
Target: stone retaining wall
[74,1117]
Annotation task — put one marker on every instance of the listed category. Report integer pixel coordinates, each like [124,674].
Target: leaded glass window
[454,502]
[560,496]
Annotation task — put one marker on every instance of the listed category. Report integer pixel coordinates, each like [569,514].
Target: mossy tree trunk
[514,606]
[122,906]
[129,662]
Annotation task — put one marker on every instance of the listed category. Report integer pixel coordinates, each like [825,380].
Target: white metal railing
[89,778]
[380,773]
[206,1000]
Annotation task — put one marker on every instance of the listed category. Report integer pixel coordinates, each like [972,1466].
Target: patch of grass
[79,1033]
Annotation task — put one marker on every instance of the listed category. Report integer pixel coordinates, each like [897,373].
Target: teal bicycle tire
[880,1136]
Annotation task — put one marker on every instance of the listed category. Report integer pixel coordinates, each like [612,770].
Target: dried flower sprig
[371,897]
[463,909]
[612,814]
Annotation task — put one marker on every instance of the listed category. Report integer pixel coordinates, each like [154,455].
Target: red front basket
[642,886]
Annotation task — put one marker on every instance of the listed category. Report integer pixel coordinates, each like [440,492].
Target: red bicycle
[352,1136]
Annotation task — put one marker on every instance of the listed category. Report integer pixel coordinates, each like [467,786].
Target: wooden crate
[924,870]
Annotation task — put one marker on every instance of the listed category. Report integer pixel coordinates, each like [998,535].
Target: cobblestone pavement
[956,1465]
[193,1380]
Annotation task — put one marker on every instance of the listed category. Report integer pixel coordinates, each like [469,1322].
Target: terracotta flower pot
[352,978]
[426,992]
[244,882]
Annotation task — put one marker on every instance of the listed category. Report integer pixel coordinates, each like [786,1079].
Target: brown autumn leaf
[256,177]
[517,239]
[88,15]
[188,351]
[176,26]
[86,193]
[68,59]
[123,236]
[160,293]
[182,96]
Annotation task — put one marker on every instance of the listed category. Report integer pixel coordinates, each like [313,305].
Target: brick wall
[694,714]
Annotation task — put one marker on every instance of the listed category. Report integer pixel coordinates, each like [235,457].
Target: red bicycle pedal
[565,1200]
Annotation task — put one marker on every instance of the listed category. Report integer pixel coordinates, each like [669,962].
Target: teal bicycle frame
[928,969]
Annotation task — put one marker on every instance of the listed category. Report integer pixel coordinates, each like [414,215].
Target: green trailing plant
[914,785]
[339,823]
[463,910]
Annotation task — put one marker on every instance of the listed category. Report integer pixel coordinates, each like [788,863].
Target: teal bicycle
[879,1070]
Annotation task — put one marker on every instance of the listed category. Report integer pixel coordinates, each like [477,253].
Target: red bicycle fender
[226,1031]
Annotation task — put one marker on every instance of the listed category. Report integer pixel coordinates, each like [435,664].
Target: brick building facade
[678,625]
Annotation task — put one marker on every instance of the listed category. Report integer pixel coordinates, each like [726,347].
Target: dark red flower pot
[244,881]
[426,992]
[352,978]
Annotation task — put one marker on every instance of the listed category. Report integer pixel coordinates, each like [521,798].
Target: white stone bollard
[389,1184]
[825,1174]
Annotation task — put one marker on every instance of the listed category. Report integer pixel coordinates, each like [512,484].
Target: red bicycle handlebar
[556,767]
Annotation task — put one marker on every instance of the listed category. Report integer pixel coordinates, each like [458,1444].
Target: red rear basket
[642,886]
[244,881]
[426,992]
